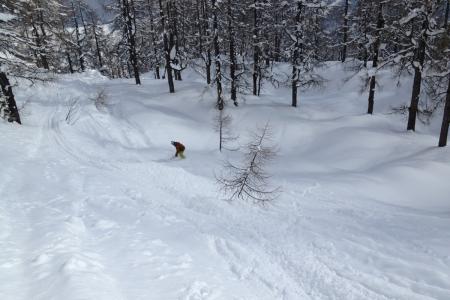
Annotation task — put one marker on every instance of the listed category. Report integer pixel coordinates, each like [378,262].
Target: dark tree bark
[128,69]
[376,50]
[167,48]
[97,44]
[296,55]
[277,38]
[255,48]
[205,32]
[67,50]
[445,119]
[277,47]
[82,19]
[69,61]
[199,11]
[345,32]
[77,34]
[420,59]
[232,53]
[45,63]
[6,89]
[220,104]
[129,18]
[294,86]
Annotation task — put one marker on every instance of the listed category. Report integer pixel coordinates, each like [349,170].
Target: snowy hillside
[92,207]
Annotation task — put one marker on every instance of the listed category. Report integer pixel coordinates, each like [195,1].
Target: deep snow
[92,207]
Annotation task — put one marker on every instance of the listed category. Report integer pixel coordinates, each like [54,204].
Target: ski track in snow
[110,221]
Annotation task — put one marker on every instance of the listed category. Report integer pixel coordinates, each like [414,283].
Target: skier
[180,149]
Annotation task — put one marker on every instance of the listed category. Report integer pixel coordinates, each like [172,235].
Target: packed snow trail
[91,208]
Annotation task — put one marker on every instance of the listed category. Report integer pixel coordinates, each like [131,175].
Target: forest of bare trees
[234,44]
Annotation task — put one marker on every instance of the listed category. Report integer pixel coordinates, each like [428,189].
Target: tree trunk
[43,40]
[6,89]
[418,65]
[232,54]
[166,49]
[294,85]
[128,15]
[220,104]
[97,45]
[365,57]
[414,99]
[155,63]
[206,31]
[176,43]
[77,34]
[376,50]
[208,66]
[276,46]
[69,60]
[345,32]
[82,20]
[40,56]
[199,9]
[220,129]
[296,55]
[255,48]
[445,119]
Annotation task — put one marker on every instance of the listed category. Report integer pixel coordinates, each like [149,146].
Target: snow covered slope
[91,206]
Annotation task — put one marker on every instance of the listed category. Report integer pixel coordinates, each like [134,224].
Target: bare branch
[249,180]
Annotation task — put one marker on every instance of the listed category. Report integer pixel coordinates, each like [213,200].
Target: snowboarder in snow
[180,149]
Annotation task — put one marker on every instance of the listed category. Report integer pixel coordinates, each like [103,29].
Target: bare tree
[249,180]
[222,124]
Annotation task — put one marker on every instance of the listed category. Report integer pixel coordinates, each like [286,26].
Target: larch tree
[129,16]
[167,35]
[232,50]
[375,57]
[303,49]
[217,58]
[411,46]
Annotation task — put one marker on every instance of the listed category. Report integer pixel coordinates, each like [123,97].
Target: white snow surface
[92,208]
[6,17]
